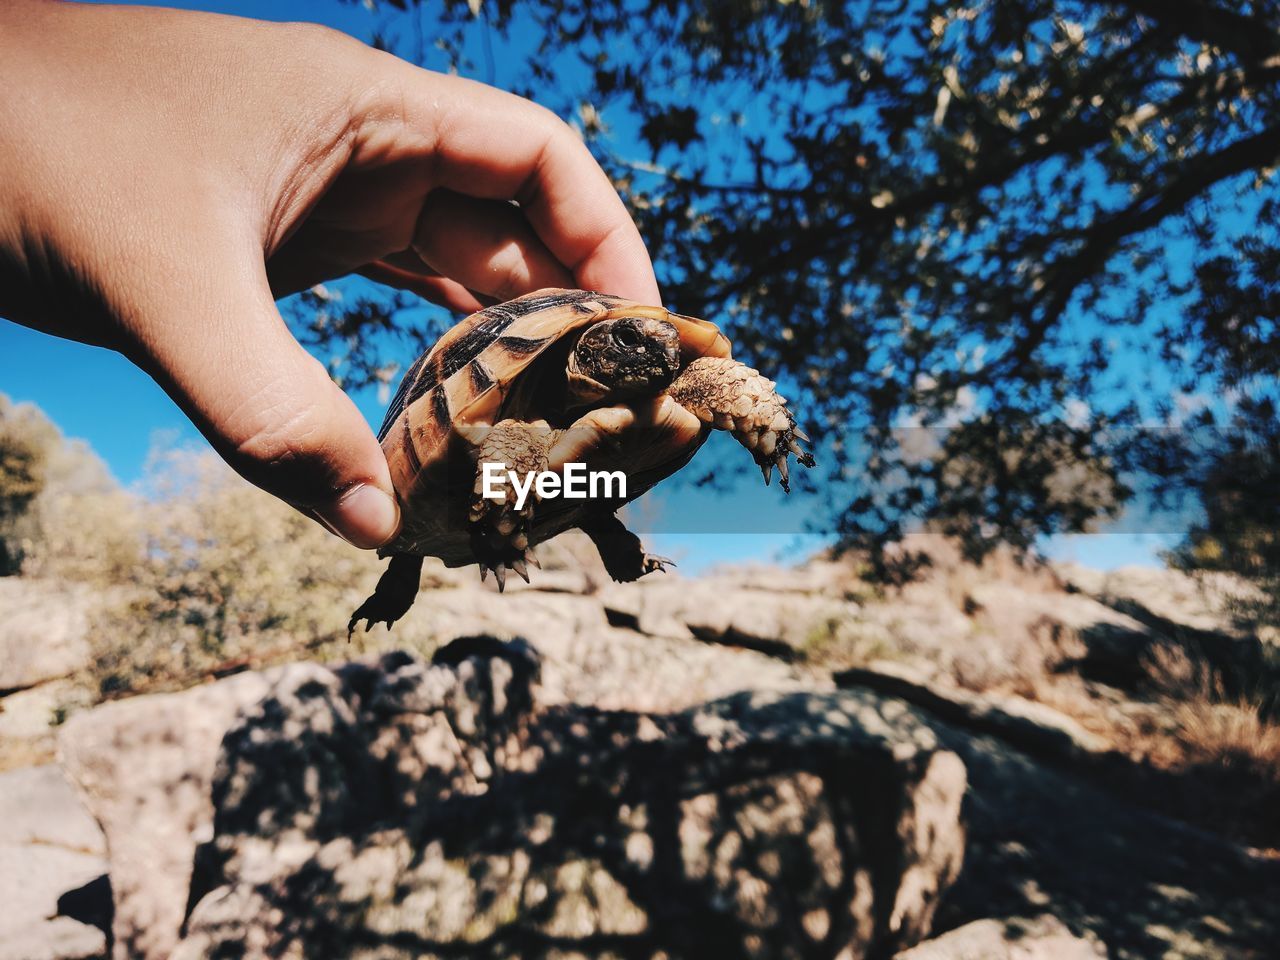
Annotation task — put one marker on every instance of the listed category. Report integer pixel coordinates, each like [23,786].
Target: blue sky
[98,396]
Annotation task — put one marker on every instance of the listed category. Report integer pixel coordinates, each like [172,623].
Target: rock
[985,632]
[1042,838]
[156,753]
[779,628]
[90,903]
[622,669]
[588,661]
[58,938]
[1176,613]
[144,767]
[44,631]
[400,809]
[1203,602]
[1014,938]
[1033,727]
[1025,633]
[29,722]
[44,641]
[49,845]
[651,608]
[716,610]
[534,614]
[813,576]
[572,581]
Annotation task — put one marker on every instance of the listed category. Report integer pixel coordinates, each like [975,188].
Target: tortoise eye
[627,335]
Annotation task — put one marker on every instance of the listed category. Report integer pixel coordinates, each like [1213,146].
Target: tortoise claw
[521,568]
[779,447]
[660,564]
[370,621]
[500,567]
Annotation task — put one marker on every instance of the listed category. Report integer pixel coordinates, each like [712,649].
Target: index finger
[487,143]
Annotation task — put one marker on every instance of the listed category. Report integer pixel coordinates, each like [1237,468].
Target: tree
[982,217]
[60,510]
[1240,530]
[25,439]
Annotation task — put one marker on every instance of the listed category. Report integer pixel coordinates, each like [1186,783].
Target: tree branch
[1102,239]
[1250,38]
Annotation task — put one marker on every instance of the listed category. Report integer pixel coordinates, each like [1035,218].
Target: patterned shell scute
[462,345]
[464,377]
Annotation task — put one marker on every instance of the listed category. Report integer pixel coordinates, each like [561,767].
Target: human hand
[165,175]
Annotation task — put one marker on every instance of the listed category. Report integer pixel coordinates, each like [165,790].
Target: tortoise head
[623,357]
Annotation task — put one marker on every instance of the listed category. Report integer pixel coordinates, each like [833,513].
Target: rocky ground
[788,762]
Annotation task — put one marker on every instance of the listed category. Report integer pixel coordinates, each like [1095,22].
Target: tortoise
[548,379]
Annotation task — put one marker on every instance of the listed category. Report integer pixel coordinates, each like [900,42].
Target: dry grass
[1230,735]
[1197,751]
[1197,737]
[1226,745]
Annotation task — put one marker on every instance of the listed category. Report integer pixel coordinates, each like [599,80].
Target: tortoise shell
[504,362]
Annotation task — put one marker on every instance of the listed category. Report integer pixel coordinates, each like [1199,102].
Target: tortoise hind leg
[621,550]
[501,525]
[393,596]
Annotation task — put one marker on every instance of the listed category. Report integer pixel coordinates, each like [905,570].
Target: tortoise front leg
[500,527]
[731,396]
[393,596]
[621,550]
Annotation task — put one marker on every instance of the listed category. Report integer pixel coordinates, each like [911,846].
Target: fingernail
[364,516]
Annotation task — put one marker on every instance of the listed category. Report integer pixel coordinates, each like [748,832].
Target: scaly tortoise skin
[555,377]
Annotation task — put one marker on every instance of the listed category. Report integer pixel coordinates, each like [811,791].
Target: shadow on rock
[1041,838]
[402,809]
[1233,665]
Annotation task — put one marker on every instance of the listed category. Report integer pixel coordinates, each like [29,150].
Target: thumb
[268,407]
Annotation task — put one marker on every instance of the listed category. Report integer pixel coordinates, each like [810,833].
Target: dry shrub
[979,626]
[219,575]
[196,573]
[837,643]
[25,438]
[1230,736]
[47,484]
[1225,745]
[94,537]
[1212,725]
